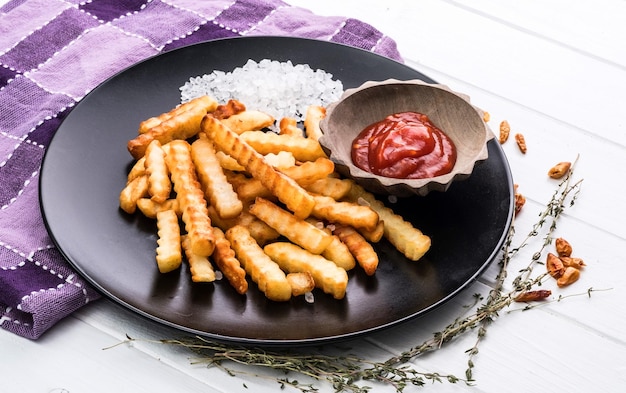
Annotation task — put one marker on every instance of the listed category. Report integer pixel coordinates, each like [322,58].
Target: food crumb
[309,297]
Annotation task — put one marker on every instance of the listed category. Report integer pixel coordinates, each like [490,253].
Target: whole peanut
[570,275]
[573,262]
[563,247]
[559,170]
[555,266]
[505,130]
[521,143]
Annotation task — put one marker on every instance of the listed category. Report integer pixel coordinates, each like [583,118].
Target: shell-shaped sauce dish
[450,111]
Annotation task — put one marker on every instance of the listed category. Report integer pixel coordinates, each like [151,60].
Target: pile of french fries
[227,195]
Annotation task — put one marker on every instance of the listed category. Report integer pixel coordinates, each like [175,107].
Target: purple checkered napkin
[52,53]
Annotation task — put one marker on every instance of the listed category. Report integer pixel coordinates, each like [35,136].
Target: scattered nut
[520,200]
[521,142]
[505,129]
[577,263]
[486,116]
[563,248]
[570,275]
[555,266]
[559,170]
[564,267]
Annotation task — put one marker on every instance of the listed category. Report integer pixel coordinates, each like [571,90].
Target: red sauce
[405,145]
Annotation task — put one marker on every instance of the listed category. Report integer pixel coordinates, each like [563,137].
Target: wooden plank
[71,358]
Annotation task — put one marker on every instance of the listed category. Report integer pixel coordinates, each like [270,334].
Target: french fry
[231,108]
[298,200]
[152,122]
[303,149]
[150,208]
[260,231]
[228,163]
[327,276]
[248,121]
[225,259]
[347,213]
[339,253]
[301,283]
[135,190]
[199,229]
[138,169]
[374,235]
[313,117]
[159,184]
[217,189]
[310,171]
[283,159]
[268,276]
[306,173]
[168,252]
[251,189]
[298,231]
[330,186]
[289,126]
[190,197]
[199,266]
[183,125]
[409,240]
[363,252]
[236,178]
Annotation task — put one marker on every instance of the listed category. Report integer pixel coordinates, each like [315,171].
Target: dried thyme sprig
[343,372]
[348,373]
[523,282]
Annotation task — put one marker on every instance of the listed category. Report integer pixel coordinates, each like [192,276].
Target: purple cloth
[52,53]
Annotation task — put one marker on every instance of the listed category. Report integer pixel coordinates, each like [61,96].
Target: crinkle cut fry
[289,126]
[134,190]
[348,213]
[248,121]
[215,184]
[329,277]
[270,279]
[199,266]
[224,257]
[190,198]
[407,239]
[339,253]
[159,184]
[363,251]
[314,115]
[183,125]
[297,199]
[303,149]
[202,101]
[298,231]
[259,230]
[150,208]
[169,255]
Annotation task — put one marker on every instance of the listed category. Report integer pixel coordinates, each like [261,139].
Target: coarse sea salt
[280,89]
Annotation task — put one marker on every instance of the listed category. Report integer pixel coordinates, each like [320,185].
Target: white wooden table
[556,70]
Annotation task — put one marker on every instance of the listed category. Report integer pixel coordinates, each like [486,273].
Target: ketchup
[404,145]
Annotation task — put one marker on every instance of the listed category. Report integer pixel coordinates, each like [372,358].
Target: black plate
[85,168]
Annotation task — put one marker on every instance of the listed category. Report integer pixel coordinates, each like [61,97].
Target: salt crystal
[280,89]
